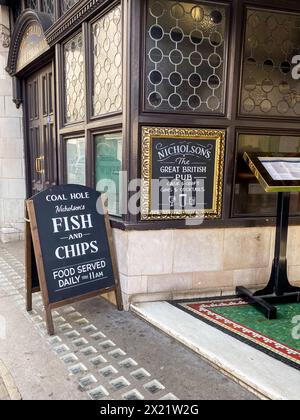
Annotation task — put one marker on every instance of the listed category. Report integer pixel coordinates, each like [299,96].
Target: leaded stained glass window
[268,89]
[67,4]
[48,6]
[107,89]
[32,4]
[74,80]
[185,63]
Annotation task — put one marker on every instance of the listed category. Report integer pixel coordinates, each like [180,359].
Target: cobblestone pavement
[112,355]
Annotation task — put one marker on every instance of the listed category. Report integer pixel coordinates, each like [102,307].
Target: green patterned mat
[282,329]
[278,338]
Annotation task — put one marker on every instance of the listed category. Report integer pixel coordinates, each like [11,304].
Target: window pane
[272,39]
[48,6]
[185,62]
[16,9]
[74,80]
[107,36]
[67,4]
[32,4]
[76,161]
[250,198]
[108,167]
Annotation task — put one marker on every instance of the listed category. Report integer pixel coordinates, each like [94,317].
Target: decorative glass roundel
[185,56]
[175,79]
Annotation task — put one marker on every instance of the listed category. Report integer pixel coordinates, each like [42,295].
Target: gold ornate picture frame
[203,151]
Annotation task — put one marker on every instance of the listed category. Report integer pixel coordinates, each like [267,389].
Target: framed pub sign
[182,173]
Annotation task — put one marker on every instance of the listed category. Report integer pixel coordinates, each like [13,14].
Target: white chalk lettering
[76,250]
[73,223]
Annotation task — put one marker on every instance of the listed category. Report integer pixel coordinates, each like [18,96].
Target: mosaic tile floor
[103,370]
[279,338]
[285,329]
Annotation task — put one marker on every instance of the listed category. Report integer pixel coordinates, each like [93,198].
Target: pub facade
[116,94]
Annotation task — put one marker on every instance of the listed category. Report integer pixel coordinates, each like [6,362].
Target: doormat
[279,338]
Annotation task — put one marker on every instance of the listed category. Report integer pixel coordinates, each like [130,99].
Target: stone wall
[176,264]
[12,183]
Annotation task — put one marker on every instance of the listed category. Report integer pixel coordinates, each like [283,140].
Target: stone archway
[28,44]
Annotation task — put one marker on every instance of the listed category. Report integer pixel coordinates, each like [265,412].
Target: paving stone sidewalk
[4,396]
[8,389]
[97,353]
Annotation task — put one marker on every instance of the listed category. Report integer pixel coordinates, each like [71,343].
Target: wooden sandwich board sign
[32,277]
[73,247]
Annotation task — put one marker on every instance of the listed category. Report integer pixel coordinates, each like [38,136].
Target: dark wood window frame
[226,69]
[92,141]
[92,134]
[92,125]
[135,117]
[64,140]
[90,46]
[275,8]
[253,131]
[231,121]
[63,121]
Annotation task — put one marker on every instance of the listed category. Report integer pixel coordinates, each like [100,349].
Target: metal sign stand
[279,289]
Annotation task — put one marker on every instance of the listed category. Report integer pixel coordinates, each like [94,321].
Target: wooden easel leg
[112,253]
[28,264]
[28,275]
[49,321]
[119,299]
[29,300]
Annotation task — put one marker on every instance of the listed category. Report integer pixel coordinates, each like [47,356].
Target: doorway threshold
[266,377]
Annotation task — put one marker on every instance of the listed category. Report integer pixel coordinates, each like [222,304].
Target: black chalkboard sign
[182,172]
[73,245]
